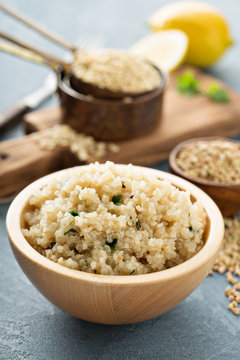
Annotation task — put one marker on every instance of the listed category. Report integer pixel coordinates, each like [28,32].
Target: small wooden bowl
[115,299]
[110,119]
[226,196]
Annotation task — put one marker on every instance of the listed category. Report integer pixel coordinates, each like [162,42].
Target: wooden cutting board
[22,161]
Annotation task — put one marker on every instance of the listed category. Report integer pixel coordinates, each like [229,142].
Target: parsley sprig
[138,224]
[112,244]
[73,213]
[215,93]
[189,85]
[116,199]
[70,231]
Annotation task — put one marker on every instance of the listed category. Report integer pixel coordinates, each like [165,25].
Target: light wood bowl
[226,196]
[115,299]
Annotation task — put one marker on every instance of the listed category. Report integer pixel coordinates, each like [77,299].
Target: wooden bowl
[115,299]
[226,196]
[110,119]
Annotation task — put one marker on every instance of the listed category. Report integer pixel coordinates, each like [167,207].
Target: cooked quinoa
[83,146]
[211,160]
[109,220]
[116,70]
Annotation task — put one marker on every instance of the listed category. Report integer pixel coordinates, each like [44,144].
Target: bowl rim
[64,86]
[206,254]
[173,164]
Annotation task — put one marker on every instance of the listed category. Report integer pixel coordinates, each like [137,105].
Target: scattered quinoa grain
[232,305]
[230,278]
[81,145]
[236,311]
[237,286]
[114,148]
[228,261]
[229,256]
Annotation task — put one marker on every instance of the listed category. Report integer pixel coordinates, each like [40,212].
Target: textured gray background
[32,328]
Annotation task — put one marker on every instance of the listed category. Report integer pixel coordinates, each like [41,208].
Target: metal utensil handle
[39,28]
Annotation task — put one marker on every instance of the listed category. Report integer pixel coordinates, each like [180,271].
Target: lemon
[165,49]
[205,27]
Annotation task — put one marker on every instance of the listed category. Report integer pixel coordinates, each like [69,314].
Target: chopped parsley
[138,225]
[73,213]
[188,84]
[190,228]
[216,93]
[112,244]
[116,199]
[70,230]
[159,178]
[133,271]
[123,186]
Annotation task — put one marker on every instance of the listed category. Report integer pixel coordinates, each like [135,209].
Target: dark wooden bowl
[111,119]
[226,196]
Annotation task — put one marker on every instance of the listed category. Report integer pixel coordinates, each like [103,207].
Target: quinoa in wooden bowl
[134,241]
[213,164]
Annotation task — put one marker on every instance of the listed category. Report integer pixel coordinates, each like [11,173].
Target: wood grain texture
[115,299]
[226,196]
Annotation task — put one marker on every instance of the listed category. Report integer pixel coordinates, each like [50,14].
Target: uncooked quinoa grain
[116,70]
[80,144]
[98,227]
[228,261]
[212,160]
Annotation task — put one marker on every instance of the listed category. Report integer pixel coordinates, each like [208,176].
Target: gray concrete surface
[31,328]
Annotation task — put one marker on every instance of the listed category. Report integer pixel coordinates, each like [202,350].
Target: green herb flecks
[116,199]
[112,244]
[74,213]
[70,231]
[190,228]
[51,245]
[159,178]
[138,224]
[123,186]
[133,271]
[188,84]
[216,93]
